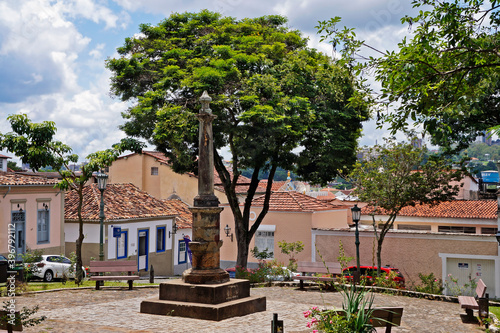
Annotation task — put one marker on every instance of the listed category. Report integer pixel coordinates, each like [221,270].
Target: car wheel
[48,276]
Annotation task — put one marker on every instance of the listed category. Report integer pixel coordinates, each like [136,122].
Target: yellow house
[151,173]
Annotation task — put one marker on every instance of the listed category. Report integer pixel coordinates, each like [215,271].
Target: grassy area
[495,310]
[39,286]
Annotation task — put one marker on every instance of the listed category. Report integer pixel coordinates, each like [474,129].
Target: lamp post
[356,216]
[102,179]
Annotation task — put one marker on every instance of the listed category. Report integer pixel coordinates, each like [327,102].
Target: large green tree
[271,94]
[446,77]
[395,175]
[34,143]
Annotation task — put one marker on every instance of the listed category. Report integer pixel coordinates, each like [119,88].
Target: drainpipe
[7,192]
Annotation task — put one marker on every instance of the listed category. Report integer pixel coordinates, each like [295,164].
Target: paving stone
[117,310]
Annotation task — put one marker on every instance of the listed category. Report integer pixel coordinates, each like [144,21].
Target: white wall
[133,236]
[92,234]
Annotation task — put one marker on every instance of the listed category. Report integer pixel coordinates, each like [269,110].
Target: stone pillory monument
[205,291]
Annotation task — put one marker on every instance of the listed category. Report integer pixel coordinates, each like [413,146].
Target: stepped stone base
[204,301]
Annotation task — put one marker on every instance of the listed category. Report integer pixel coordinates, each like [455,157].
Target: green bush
[430,284]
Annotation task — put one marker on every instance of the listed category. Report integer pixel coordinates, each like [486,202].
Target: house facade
[33,209]
[151,173]
[290,218]
[137,226]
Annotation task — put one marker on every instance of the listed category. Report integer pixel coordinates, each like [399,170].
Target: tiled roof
[3,156]
[12,178]
[185,218]
[276,186]
[241,187]
[292,201]
[463,209]
[159,156]
[121,201]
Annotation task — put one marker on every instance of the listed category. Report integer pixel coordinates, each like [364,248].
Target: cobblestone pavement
[117,310]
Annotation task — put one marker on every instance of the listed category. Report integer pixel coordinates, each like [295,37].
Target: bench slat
[119,277]
[126,263]
[319,267]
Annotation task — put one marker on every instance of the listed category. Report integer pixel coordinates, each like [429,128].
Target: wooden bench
[306,267]
[121,266]
[386,317]
[469,303]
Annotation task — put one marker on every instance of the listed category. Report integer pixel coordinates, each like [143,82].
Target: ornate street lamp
[227,230]
[102,179]
[174,230]
[356,216]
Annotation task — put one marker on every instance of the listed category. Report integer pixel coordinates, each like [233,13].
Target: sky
[52,53]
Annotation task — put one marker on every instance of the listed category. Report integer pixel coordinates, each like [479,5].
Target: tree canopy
[445,77]
[271,94]
[396,175]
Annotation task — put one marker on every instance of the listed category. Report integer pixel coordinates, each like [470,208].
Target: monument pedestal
[204,301]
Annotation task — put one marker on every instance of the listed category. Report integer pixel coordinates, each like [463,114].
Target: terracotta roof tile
[471,209]
[3,156]
[185,218]
[12,178]
[121,201]
[276,186]
[292,201]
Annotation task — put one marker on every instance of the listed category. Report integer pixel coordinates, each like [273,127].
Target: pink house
[290,218]
[33,209]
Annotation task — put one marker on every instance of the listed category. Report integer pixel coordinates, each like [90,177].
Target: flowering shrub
[327,321]
[387,280]
[355,316]
[455,289]
[430,284]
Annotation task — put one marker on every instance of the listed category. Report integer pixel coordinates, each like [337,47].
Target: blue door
[143,249]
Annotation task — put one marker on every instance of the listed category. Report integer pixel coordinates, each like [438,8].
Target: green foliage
[430,284]
[270,93]
[23,318]
[395,175]
[13,166]
[387,280]
[29,257]
[445,77]
[261,255]
[265,272]
[357,310]
[454,288]
[342,259]
[291,249]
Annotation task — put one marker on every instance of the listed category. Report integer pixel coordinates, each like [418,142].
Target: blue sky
[52,53]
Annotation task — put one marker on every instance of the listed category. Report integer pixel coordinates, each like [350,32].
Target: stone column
[206,243]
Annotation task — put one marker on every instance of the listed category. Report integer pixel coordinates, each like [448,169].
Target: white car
[53,267]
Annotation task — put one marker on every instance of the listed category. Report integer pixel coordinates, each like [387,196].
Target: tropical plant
[355,316]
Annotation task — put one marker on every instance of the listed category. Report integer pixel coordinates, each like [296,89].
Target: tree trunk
[79,241]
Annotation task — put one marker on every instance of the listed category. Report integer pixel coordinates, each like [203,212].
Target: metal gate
[465,271]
